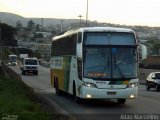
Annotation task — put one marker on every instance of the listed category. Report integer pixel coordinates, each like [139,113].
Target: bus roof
[94,29]
[105,29]
[12,55]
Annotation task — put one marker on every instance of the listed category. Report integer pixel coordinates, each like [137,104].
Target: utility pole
[87,14]
[80,16]
[41,23]
[61,26]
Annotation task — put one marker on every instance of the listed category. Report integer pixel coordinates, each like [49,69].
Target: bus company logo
[58,62]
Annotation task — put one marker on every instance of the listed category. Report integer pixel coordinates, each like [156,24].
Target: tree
[37,27]
[19,25]
[38,35]
[7,35]
[37,54]
[153,44]
[30,25]
[6,53]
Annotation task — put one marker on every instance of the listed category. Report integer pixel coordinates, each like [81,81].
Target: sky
[124,12]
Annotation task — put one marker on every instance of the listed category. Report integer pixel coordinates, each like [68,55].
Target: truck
[30,65]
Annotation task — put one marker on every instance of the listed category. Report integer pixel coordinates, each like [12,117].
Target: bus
[12,60]
[96,63]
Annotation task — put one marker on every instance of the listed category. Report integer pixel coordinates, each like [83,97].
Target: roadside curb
[54,108]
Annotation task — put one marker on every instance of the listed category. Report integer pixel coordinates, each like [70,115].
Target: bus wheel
[76,99]
[121,101]
[58,92]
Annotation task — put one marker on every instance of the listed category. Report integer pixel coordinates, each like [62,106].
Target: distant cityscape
[38,36]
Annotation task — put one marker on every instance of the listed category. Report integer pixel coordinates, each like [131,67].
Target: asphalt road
[40,82]
[147,103]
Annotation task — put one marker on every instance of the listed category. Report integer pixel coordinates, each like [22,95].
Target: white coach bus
[96,63]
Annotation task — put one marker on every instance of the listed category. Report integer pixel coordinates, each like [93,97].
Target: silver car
[153,81]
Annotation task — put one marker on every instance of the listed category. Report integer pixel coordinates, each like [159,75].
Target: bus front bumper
[95,93]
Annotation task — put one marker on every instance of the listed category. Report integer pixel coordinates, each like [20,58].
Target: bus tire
[121,101]
[58,92]
[76,99]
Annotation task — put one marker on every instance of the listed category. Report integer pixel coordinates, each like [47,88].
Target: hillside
[144,32]
[11,19]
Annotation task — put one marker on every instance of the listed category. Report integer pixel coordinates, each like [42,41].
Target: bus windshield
[97,63]
[110,55]
[124,62]
[12,58]
[110,63]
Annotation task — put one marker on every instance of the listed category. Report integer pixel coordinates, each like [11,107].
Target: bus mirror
[79,51]
[142,52]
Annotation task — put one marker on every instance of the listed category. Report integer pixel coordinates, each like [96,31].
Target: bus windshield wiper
[120,71]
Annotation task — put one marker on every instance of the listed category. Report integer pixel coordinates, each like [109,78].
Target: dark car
[153,81]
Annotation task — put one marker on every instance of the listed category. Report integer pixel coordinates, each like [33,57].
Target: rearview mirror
[79,50]
[142,52]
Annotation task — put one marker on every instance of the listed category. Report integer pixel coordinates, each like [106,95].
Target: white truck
[30,65]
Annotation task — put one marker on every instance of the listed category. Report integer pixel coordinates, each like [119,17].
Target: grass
[16,101]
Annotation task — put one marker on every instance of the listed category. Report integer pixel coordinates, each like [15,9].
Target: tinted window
[157,75]
[109,38]
[65,46]
[31,62]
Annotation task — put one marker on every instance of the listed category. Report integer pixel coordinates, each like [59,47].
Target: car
[153,81]
[29,65]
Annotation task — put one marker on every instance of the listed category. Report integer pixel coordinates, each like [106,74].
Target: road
[40,83]
[147,103]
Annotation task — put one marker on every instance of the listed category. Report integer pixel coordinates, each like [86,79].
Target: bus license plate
[111,93]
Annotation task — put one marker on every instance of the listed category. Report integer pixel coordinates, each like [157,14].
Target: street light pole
[87,14]
[80,20]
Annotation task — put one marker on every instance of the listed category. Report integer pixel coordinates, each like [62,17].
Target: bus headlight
[88,84]
[132,85]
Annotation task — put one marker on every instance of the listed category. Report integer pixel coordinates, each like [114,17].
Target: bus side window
[79,65]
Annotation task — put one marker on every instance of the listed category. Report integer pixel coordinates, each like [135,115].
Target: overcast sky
[128,12]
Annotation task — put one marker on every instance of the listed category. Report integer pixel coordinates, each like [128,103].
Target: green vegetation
[17,101]
[153,45]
